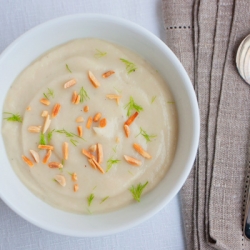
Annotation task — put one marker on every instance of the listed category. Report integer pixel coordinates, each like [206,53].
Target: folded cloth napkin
[205,36]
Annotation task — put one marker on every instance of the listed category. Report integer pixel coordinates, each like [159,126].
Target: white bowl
[42,38]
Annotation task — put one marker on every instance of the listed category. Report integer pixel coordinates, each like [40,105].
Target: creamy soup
[90,127]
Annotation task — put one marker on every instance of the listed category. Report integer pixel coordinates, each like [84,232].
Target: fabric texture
[205,36]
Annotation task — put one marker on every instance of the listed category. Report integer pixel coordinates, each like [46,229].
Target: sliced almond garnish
[28,108]
[78,97]
[79,130]
[27,161]
[89,122]
[93,80]
[131,118]
[55,165]
[65,149]
[115,97]
[92,148]
[141,151]
[87,153]
[69,83]
[132,160]
[74,96]
[45,101]
[61,180]
[44,113]
[49,147]
[74,177]
[103,123]
[98,165]
[76,187]
[47,156]
[34,129]
[92,164]
[86,108]
[126,130]
[117,139]
[35,155]
[99,153]
[97,117]
[79,119]
[108,73]
[56,110]
[46,124]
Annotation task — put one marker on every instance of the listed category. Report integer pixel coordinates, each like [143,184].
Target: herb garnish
[170,102]
[13,118]
[90,199]
[104,199]
[145,135]
[49,135]
[153,99]
[111,162]
[130,172]
[137,191]
[42,139]
[70,135]
[83,95]
[100,54]
[67,67]
[49,94]
[131,105]
[130,67]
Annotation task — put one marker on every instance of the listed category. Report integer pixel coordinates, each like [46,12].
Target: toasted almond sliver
[141,151]
[56,110]
[87,153]
[65,150]
[46,124]
[34,129]
[79,130]
[115,97]
[132,160]
[28,108]
[45,101]
[44,113]
[97,117]
[98,166]
[74,177]
[86,108]
[117,140]
[89,122]
[103,123]
[27,161]
[76,187]
[127,130]
[49,147]
[108,73]
[55,165]
[93,80]
[69,83]
[61,180]
[35,155]
[99,153]
[74,96]
[79,119]
[131,118]
[78,97]
[92,148]
[47,156]
[92,164]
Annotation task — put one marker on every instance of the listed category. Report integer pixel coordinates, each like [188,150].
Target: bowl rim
[193,104]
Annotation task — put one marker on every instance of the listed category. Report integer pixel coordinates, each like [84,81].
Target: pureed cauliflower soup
[90,127]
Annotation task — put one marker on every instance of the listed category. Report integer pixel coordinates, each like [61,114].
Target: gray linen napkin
[205,35]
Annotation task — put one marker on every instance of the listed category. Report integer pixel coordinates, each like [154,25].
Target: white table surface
[162,231]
